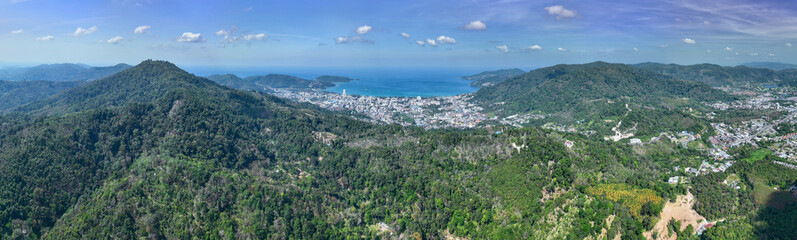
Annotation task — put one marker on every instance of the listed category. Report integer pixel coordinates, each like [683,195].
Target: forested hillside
[63,72]
[488,78]
[14,94]
[718,76]
[165,154]
[230,80]
[777,66]
[600,92]
[287,81]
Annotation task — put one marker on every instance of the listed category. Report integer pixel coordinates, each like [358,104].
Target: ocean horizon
[380,82]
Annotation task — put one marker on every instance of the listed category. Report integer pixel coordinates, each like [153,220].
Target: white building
[674,180]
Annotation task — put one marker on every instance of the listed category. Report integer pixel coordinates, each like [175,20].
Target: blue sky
[353,33]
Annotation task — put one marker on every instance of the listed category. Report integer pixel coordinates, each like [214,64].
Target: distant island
[777,66]
[334,79]
[277,81]
[489,78]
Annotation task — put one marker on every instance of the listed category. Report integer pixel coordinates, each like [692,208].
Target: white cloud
[788,44]
[503,48]
[354,39]
[737,53]
[534,47]
[754,54]
[738,18]
[222,32]
[421,43]
[405,35]
[362,30]
[708,51]
[636,49]
[191,37]
[560,12]
[707,22]
[340,40]
[431,42]
[561,49]
[142,29]
[229,38]
[771,54]
[475,25]
[115,40]
[689,41]
[250,37]
[83,31]
[45,38]
[17,31]
[728,49]
[442,39]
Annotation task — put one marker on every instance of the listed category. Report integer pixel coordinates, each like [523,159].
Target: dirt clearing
[680,210]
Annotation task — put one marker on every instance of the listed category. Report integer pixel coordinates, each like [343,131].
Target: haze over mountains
[771,65]
[13,94]
[63,72]
[717,76]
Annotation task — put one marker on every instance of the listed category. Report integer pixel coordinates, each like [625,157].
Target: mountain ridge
[149,80]
[488,78]
[718,76]
[60,72]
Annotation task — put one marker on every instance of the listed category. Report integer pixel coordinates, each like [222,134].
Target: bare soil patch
[681,210]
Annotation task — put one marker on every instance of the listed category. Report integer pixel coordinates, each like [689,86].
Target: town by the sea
[429,98]
[378,82]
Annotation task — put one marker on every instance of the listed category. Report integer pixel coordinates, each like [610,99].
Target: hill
[601,96]
[262,83]
[230,80]
[560,87]
[287,81]
[777,66]
[333,79]
[155,152]
[99,72]
[489,78]
[14,94]
[60,72]
[51,72]
[146,82]
[101,128]
[715,75]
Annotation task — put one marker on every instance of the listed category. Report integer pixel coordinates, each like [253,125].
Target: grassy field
[757,155]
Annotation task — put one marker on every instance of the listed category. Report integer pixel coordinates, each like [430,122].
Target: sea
[381,82]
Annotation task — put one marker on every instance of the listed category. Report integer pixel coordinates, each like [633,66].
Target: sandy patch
[680,210]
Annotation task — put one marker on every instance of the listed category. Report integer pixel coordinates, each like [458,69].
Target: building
[674,180]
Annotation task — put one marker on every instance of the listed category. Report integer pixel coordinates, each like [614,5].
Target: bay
[380,82]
